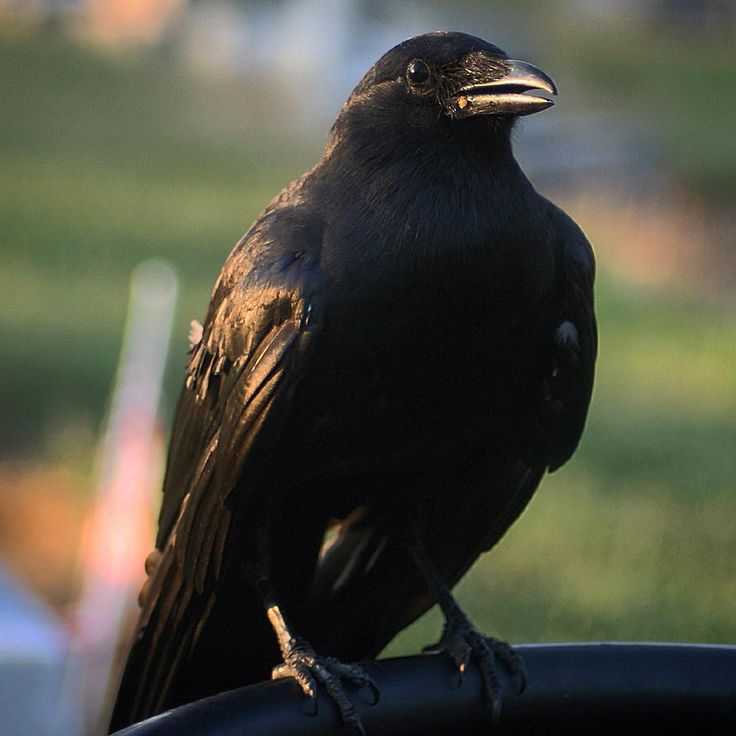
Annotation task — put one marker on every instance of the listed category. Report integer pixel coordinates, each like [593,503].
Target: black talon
[315,705]
[515,665]
[371,685]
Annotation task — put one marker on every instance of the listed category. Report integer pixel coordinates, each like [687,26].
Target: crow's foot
[302,663]
[461,640]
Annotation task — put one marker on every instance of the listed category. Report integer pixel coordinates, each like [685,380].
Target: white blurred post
[130,465]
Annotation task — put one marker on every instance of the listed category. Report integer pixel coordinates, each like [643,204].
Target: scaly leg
[301,662]
[460,639]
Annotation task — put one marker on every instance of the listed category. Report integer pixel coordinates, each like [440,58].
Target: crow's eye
[418,73]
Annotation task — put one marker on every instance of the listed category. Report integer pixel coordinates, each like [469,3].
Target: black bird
[395,353]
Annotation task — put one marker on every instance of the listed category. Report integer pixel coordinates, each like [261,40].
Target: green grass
[105,163]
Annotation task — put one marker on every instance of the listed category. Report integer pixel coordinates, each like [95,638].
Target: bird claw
[308,669]
[461,640]
[356,674]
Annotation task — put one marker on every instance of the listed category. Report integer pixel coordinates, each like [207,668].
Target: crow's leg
[460,639]
[301,662]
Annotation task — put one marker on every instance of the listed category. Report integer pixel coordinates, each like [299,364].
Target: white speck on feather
[567,335]
[195,333]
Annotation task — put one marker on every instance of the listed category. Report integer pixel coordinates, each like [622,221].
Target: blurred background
[140,129]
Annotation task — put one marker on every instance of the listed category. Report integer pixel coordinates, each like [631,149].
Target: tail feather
[190,646]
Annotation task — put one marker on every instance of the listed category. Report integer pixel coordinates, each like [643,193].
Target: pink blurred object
[120,531]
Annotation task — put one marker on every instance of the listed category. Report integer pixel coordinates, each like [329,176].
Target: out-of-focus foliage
[683,91]
[105,163]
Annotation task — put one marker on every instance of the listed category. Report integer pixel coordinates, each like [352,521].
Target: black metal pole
[600,688]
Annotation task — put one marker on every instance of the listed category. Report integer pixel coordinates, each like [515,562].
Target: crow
[395,353]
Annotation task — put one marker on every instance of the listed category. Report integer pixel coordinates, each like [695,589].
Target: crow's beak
[505,95]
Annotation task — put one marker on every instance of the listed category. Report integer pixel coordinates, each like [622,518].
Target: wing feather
[255,342]
[575,356]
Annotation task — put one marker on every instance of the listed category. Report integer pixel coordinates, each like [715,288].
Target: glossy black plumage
[405,337]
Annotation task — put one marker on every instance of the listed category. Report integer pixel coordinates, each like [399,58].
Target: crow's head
[440,80]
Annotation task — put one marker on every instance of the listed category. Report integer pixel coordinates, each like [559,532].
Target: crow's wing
[265,310]
[355,615]
[575,340]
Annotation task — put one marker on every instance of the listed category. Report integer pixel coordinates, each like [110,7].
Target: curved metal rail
[601,688]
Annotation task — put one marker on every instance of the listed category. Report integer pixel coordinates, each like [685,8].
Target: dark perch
[603,688]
